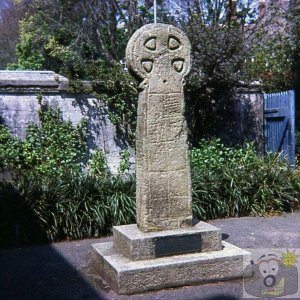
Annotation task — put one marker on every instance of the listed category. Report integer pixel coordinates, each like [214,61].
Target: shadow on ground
[64,271]
[41,272]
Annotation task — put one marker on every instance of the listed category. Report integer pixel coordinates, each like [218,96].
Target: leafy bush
[40,209]
[52,195]
[76,204]
[125,163]
[118,90]
[234,182]
[51,148]
[97,164]
[10,149]
[85,44]
[271,63]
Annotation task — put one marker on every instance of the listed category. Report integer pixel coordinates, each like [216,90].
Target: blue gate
[279,124]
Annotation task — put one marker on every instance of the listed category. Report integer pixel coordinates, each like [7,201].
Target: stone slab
[33,79]
[137,245]
[129,277]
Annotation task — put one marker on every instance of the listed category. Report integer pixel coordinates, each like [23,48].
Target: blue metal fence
[279,124]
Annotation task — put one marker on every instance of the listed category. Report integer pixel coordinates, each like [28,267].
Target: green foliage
[124,162]
[81,41]
[227,51]
[43,209]
[232,182]
[119,91]
[87,40]
[272,49]
[271,63]
[120,198]
[10,150]
[213,155]
[52,196]
[97,164]
[87,206]
[28,58]
[296,54]
[51,149]
[226,182]
[218,36]
[218,55]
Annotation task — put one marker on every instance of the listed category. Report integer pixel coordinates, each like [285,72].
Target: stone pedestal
[139,261]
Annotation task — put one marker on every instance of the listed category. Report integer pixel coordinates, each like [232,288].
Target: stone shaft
[158,55]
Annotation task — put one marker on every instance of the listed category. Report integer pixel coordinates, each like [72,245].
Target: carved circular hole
[164,81]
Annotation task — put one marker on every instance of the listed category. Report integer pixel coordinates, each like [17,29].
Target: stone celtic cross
[158,55]
[163,249]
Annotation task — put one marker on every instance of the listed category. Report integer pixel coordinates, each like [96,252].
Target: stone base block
[127,277]
[137,245]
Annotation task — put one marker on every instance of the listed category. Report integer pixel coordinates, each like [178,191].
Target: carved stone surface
[163,249]
[158,55]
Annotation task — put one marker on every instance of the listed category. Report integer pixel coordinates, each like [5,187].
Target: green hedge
[235,182]
[34,210]
[54,197]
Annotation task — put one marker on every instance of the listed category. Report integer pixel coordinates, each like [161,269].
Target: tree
[232,42]
[296,54]
[271,50]
[216,30]
[9,18]
[73,32]
[64,35]
[86,39]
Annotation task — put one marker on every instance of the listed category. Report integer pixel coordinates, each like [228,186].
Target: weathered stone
[137,245]
[36,80]
[159,56]
[163,249]
[128,277]
[19,106]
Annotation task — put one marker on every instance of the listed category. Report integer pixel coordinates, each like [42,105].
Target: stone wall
[19,105]
[251,116]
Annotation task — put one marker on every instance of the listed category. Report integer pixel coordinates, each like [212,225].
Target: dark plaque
[174,245]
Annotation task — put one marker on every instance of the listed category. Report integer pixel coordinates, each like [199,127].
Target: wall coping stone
[254,87]
[26,81]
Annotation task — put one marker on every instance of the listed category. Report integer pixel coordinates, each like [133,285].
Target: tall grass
[226,182]
[52,195]
[72,207]
[234,182]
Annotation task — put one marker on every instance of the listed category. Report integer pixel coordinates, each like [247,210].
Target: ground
[64,270]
